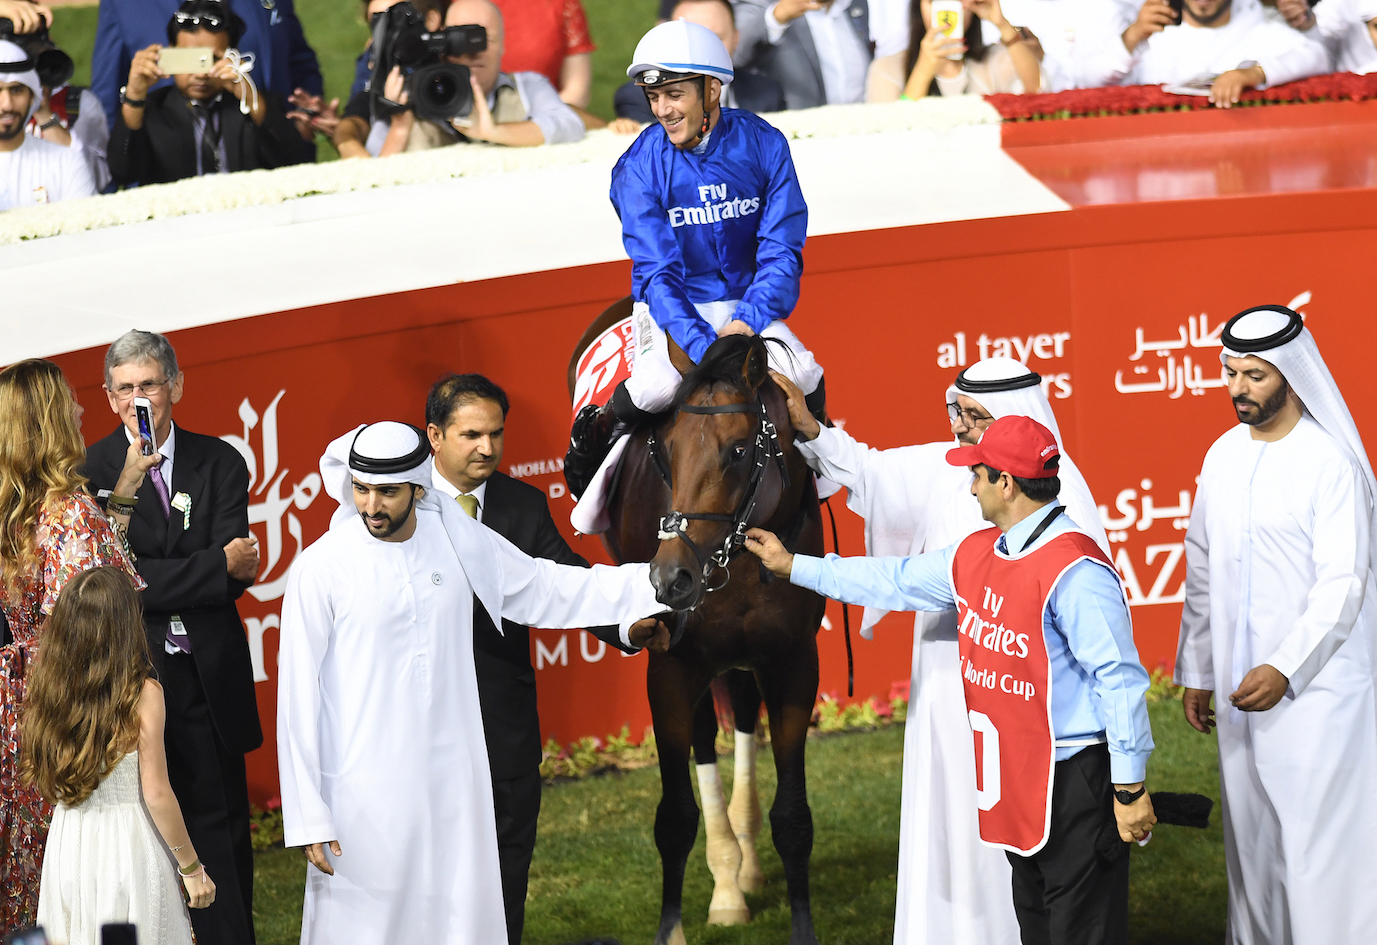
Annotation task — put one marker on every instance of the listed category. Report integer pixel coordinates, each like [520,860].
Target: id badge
[178,628]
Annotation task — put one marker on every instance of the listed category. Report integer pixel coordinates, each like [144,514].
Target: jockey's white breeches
[654,379]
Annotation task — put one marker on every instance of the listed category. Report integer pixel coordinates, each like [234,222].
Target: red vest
[1000,602]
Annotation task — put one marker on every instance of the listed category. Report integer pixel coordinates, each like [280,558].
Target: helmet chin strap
[707,115]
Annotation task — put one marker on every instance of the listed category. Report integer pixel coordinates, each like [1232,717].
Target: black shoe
[590,440]
[816,402]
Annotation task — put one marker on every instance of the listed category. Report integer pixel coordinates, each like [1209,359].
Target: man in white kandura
[952,888]
[383,764]
[1278,627]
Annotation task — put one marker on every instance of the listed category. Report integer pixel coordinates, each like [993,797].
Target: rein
[765,449]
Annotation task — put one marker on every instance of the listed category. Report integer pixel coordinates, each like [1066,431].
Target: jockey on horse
[713,220]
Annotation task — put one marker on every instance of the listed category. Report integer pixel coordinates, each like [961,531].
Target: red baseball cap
[1020,446]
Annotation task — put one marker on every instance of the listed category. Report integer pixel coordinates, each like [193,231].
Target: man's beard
[1210,20]
[393,524]
[18,126]
[1267,409]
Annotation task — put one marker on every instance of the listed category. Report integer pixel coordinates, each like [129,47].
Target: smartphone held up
[186,60]
[947,17]
[143,413]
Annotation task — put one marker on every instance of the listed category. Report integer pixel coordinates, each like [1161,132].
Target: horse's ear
[756,370]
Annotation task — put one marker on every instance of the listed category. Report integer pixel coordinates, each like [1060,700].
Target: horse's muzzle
[677,587]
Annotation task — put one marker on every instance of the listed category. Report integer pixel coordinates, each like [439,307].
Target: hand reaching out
[311,114]
[771,551]
[1153,17]
[800,418]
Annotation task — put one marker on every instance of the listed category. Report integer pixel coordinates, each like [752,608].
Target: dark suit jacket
[164,148]
[282,58]
[754,92]
[185,569]
[794,62]
[506,679]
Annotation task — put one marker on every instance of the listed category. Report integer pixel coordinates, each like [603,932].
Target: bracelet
[120,505]
[199,871]
[196,867]
[179,847]
[1018,37]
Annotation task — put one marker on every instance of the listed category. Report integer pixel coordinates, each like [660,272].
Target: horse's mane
[722,364]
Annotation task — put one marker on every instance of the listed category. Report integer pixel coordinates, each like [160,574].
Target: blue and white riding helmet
[679,50]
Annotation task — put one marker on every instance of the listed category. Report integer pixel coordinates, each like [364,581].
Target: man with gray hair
[189,528]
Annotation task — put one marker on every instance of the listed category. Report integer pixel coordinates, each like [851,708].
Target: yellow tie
[469,504]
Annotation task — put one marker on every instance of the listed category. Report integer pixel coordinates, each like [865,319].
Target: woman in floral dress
[50,531]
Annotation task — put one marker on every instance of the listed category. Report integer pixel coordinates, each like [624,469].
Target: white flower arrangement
[259,188]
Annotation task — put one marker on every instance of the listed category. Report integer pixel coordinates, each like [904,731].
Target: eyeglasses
[969,417]
[146,389]
[191,21]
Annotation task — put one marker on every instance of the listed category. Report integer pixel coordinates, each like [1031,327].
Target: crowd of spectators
[260,101]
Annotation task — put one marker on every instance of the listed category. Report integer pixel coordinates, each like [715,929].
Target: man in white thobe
[1223,46]
[32,171]
[381,753]
[952,888]
[1278,627]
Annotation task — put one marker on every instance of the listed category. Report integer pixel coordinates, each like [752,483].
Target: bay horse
[722,459]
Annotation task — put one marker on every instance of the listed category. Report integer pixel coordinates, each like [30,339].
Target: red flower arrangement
[1127,100]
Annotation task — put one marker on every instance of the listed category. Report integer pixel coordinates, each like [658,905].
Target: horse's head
[726,465]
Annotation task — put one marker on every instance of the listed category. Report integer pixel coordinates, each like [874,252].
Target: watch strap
[1128,797]
[131,102]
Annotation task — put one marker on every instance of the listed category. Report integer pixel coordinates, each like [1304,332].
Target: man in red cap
[1054,690]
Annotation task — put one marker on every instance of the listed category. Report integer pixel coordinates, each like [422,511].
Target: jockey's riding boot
[816,402]
[594,431]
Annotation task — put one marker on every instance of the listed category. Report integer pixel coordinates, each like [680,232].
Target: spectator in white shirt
[1348,29]
[818,51]
[32,171]
[1215,46]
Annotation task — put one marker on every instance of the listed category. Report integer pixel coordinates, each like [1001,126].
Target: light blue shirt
[1098,684]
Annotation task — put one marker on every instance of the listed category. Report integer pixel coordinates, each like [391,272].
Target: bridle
[765,449]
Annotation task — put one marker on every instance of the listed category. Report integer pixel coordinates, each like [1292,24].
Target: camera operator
[515,109]
[67,115]
[32,170]
[209,123]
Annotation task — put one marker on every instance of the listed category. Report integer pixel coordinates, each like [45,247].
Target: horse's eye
[738,452]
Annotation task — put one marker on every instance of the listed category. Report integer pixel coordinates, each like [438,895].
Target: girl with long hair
[1011,65]
[92,729]
[50,531]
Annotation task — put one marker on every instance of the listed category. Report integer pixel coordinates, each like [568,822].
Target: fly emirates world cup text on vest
[713,212]
[998,638]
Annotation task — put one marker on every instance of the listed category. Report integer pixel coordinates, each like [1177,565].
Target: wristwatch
[1020,34]
[52,122]
[131,102]
[1128,797]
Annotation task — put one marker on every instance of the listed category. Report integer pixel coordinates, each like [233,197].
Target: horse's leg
[745,807]
[728,906]
[790,688]
[674,690]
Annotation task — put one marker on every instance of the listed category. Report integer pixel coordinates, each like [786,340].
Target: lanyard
[1042,527]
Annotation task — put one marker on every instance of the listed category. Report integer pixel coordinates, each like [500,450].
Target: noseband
[765,449]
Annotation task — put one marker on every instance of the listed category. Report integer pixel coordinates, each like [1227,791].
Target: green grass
[596,871]
[336,31]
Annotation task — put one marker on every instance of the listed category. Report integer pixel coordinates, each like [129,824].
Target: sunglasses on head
[192,21]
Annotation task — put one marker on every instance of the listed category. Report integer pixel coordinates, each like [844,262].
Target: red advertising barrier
[1118,307]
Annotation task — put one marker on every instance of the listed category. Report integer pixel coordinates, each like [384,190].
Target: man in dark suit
[818,50]
[283,60]
[466,415]
[198,125]
[190,533]
[750,91]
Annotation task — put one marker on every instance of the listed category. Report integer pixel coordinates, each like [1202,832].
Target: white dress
[106,863]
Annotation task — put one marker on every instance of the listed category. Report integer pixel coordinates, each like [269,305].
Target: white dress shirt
[448,488]
[168,449]
[844,58]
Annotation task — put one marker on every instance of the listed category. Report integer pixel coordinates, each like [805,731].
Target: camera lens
[441,92]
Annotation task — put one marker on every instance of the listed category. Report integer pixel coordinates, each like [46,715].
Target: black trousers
[1074,891]
[517,801]
[212,788]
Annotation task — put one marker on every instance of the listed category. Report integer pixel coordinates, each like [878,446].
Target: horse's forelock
[723,363]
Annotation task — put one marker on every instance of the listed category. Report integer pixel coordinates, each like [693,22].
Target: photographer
[207,123]
[67,115]
[32,170]
[515,109]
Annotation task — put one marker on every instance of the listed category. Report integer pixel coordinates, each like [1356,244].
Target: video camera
[437,89]
[54,67]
